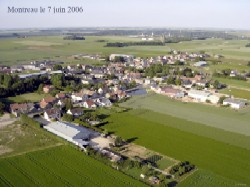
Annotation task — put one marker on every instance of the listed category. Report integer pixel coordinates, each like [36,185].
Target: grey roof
[200,63]
[70,130]
[235,101]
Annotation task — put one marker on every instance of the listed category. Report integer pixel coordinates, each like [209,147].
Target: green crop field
[60,166]
[222,118]
[202,178]
[238,93]
[235,83]
[220,158]
[30,97]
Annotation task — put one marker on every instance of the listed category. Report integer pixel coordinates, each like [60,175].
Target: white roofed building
[77,135]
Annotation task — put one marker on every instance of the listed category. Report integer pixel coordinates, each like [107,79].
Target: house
[61,103]
[202,83]
[187,84]
[89,104]
[53,113]
[47,102]
[127,58]
[235,103]
[173,93]
[104,102]
[18,109]
[213,99]
[76,112]
[200,64]
[78,97]
[199,95]
[48,88]
[60,96]
[77,135]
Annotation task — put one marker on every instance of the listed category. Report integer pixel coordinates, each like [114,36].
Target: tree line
[74,37]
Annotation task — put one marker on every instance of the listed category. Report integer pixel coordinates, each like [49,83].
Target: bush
[25,120]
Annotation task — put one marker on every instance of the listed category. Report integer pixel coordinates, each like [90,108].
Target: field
[235,83]
[30,97]
[23,50]
[60,166]
[17,139]
[217,157]
[238,93]
[217,117]
[205,178]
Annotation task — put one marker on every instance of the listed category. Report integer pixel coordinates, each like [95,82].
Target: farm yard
[60,166]
[219,158]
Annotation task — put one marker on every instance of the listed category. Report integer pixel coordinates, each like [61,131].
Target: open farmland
[220,158]
[17,139]
[30,97]
[21,50]
[238,93]
[202,178]
[217,117]
[60,166]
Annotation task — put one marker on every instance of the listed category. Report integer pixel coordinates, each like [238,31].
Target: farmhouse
[199,95]
[47,102]
[53,113]
[235,103]
[171,92]
[77,135]
[18,109]
[76,112]
[89,104]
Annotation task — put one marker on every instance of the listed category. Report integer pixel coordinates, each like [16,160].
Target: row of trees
[182,168]
[226,74]
[12,85]
[74,37]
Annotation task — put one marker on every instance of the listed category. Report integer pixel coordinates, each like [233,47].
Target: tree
[8,80]
[58,80]
[216,84]
[119,59]
[2,107]
[178,82]
[170,80]
[221,100]
[40,88]
[68,104]
[68,117]
[118,141]
[57,67]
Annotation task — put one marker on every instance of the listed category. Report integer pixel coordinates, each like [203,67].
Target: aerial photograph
[128,93]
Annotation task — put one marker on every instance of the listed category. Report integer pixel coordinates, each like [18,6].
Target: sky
[233,14]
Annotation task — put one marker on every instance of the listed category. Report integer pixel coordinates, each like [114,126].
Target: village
[70,105]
